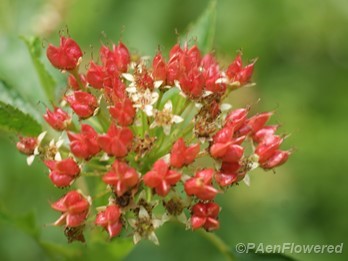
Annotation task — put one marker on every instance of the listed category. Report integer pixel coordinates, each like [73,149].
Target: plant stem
[219,244]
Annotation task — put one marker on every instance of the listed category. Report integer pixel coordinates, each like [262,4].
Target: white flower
[145,101]
[30,159]
[144,226]
[166,118]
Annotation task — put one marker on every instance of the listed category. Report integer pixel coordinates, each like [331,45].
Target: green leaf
[57,251]
[203,29]
[46,80]
[14,120]
[25,223]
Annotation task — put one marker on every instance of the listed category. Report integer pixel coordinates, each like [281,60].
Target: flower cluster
[143,132]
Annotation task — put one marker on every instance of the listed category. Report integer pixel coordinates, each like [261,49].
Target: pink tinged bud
[221,142]
[264,132]
[223,136]
[66,56]
[194,55]
[233,153]
[73,83]
[121,57]
[192,83]
[234,68]
[201,185]
[256,122]
[228,174]
[159,68]
[268,147]
[246,73]
[161,178]
[84,145]
[278,158]
[181,155]
[64,172]
[123,111]
[205,215]
[27,145]
[236,118]
[74,208]
[58,119]
[109,219]
[117,141]
[96,75]
[122,177]
[82,103]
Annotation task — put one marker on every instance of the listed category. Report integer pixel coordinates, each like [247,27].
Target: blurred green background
[302,72]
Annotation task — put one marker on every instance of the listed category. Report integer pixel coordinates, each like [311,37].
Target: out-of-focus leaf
[46,80]
[10,95]
[24,223]
[204,28]
[56,251]
[15,120]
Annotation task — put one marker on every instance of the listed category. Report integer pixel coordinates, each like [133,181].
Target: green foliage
[14,120]
[34,46]
[203,30]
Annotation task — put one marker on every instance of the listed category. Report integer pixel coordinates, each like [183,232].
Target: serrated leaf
[46,80]
[203,29]
[10,95]
[14,120]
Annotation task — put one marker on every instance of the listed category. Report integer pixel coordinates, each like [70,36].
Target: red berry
[205,215]
[201,185]
[83,104]
[84,145]
[64,172]
[181,155]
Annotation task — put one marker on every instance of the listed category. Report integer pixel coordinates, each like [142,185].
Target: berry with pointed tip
[161,178]
[205,215]
[84,145]
[74,208]
[236,118]
[264,132]
[122,177]
[58,119]
[182,155]
[228,174]
[82,103]
[66,56]
[109,219]
[63,172]
[201,185]
[117,141]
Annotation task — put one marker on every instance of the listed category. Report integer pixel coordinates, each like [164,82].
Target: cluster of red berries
[110,121]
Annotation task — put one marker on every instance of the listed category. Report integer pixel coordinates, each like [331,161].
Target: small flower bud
[117,141]
[109,219]
[205,215]
[63,172]
[58,119]
[74,208]
[66,56]
[83,104]
[122,177]
[27,145]
[201,185]
[161,178]
[84,145]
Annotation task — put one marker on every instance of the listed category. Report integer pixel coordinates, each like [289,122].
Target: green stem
[219,244]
